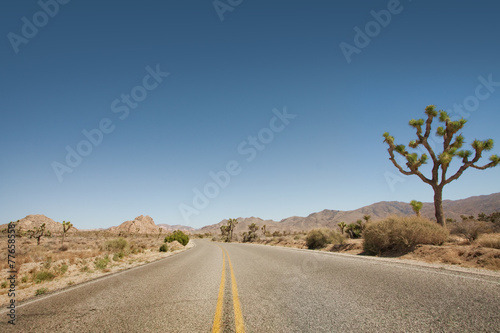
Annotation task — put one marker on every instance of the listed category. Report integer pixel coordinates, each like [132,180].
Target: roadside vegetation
[178,236]
[401,235]
[319,238]
[469,242]
[47,262]
[228,229]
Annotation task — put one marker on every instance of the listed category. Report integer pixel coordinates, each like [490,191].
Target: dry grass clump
[490,240]
[42,276]
[470,228]
[398,235]
[352,246]
[464,255]
[319,238]
[112,245]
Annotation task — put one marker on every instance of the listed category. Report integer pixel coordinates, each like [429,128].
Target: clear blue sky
[225,78]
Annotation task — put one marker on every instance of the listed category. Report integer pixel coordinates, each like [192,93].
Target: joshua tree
[159,232]
[66,226]
[231,224]
[441,161]
[416,206]
[360,223]
[251,234]
[224,231]
[263,229]
[367,218]
[354,230]
[342,226]
[38,233]
[253,228]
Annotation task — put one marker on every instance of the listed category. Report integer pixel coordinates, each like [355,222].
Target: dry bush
[490,240]
[470,228]
[401,234]
[318,238]
[494,218]
[118,244]
[42,276]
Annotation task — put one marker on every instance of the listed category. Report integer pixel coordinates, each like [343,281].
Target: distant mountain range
[326,218]
[329,218]
[168,227]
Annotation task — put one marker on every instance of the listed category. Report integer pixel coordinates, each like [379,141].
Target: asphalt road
[269,289]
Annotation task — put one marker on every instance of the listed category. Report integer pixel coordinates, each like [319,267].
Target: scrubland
[84,255]
[472,242]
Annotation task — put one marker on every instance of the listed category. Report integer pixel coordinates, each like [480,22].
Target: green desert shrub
[85,269]
[164,248]
[101,263]
[41,291]
[179,236]
[47,263]
[113,245]
[64,268]
[401,234]
[318,238]
[43,276]
[118,255]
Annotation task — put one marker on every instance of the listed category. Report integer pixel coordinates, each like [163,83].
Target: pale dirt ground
[470,256]
[80,263]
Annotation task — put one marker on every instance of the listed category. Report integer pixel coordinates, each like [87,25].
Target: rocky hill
[140,225]
[32,221]
[329,218]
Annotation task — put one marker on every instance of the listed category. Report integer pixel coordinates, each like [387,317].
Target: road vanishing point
[221,287]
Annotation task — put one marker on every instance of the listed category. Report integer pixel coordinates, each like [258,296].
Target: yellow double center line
[220,299]
[238,316]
